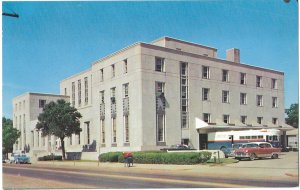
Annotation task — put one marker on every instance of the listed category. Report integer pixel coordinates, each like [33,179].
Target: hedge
[49,157]
[159,157]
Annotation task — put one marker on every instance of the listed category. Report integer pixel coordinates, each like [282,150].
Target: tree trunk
[63,148]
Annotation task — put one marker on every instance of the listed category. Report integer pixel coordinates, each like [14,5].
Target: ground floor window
[114,130]
[102,131]
[160,126]
[126,127]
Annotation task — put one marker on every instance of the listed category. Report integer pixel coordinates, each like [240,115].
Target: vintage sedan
[22,159]
[256,150]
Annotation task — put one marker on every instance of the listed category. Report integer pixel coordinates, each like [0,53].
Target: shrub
[109,157]
[49,157]
[155,157]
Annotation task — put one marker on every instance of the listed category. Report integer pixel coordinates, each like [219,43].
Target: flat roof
[161,48]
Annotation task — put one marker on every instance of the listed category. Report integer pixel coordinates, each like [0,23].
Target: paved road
[128,178]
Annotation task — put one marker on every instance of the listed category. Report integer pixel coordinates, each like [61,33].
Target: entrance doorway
[202,141]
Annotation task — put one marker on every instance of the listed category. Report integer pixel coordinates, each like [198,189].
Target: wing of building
[151,95]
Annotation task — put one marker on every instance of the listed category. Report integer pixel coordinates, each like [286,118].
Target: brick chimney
[233,55]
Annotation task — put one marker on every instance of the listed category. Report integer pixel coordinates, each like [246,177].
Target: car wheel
[252,156]
[274,156]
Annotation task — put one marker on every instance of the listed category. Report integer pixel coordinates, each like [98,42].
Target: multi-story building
[26,109]
[151,95]
[147,96]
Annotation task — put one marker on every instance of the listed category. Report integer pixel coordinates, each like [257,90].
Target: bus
[224,139]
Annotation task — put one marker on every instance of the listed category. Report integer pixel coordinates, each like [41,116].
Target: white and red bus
[225,139]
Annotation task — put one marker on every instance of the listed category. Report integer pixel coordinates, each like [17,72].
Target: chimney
[233,55]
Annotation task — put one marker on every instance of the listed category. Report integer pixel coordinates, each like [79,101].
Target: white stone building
[149,95]
[26,109]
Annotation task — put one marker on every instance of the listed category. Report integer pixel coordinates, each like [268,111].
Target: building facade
[26,109]
[149,96]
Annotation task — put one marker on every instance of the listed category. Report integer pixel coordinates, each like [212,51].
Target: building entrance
[202,141]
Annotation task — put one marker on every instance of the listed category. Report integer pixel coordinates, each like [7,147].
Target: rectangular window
[86,90]
[125,66]
[225,96]
[42,103]
[79,138]
[125,90]
[226,118]
[88,132]
[206,117]
[102,97]
[126,127]
[243,119]
[113,95]
[259,120]
[274,102]
[159,88]
[274,121]
[102,131]
[184,120]
[79,92]
[259,100]
[24,128]
[243,98]
[101,75]
[258,81]
[205,94]
[159,64]
[274,84]
[183,69]
[225,75]
[114,130]
[184,105]
[113,71]
[160,123]
[73,94]
[205,72]
[243,78]
[184,92]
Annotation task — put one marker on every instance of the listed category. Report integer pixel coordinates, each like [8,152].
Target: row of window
[160,67]
[243,119]
[86,92]
[113,70]
[19,106]
[243,98]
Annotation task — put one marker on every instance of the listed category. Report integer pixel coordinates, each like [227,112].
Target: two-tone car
[21,159]
[255,150]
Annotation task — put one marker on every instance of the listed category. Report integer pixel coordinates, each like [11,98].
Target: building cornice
[151,46]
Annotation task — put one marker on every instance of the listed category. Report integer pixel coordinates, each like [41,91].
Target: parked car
[21,159]
[12,157]
[256,150]
[178,147]
[229,152]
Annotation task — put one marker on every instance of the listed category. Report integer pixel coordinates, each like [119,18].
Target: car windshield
[236,146]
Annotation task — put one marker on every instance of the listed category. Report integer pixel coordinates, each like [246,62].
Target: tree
[292,115]
[59,119]
[10,135]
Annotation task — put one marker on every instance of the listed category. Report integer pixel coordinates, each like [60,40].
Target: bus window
[275,138]
[270,138]
[253,137]
[247,137]
[260,137]
[242,137]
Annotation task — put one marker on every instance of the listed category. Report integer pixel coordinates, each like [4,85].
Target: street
[115,175]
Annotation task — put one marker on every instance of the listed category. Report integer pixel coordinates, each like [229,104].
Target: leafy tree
[10,135]
[59,119]
[292,115]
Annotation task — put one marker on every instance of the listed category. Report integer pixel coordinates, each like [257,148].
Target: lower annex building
[151,95]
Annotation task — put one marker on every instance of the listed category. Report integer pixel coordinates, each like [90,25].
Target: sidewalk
[238,170]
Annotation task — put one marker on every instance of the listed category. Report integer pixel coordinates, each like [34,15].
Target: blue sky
[54,40]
